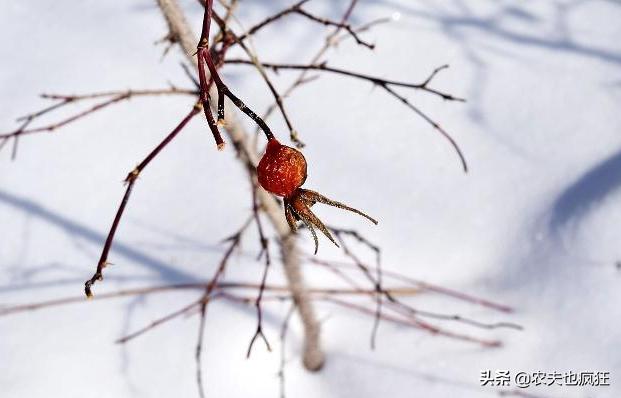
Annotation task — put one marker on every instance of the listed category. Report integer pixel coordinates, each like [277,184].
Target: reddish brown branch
[130,180]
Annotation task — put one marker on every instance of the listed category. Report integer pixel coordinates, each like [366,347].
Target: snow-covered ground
[535,224]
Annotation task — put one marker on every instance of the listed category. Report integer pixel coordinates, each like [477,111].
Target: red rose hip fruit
[282,169]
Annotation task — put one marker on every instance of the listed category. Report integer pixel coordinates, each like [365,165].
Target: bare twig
[410,321]
[341,25]
[175,314]
[297,9]
[400,306]
[302,77]
[293,134]
[323,67]
[271,19]
[387,86]
[378,267]
[422,285]
[265,252]
[221,286]
[234,243]
[112,97]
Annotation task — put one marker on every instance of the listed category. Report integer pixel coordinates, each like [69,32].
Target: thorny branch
[130,180]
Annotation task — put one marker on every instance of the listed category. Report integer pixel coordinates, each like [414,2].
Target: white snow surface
[535,224]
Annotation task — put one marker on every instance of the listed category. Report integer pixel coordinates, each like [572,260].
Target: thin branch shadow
[453,21]
[37,210]
[504,29]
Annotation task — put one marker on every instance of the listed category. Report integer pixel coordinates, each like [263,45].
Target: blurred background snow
[534,225]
